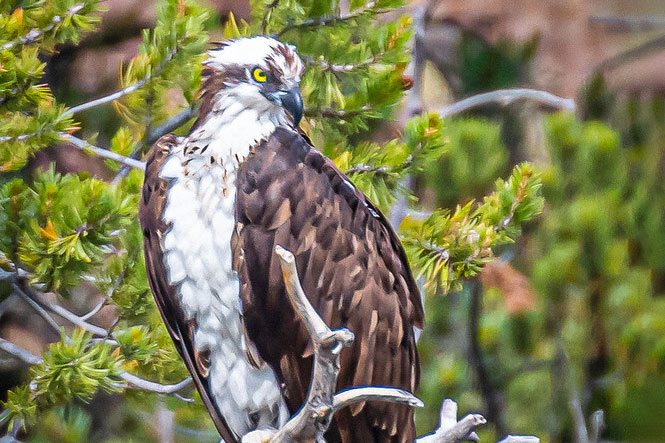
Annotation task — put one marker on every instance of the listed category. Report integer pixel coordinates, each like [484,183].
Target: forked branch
[313,418]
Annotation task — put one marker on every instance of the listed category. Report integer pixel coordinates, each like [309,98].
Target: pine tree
[58,232]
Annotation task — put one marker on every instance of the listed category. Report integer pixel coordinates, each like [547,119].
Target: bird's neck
[233,125]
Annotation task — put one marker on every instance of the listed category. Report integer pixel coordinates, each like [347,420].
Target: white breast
[200,209]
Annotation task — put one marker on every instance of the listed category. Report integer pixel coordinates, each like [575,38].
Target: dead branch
[505,97]
[313,419]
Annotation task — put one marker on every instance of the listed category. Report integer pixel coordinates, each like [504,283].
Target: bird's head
[255,72]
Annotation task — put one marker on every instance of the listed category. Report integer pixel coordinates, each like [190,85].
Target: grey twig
[74,319]
[121,93]
[132,380]
[505,97]
[139,383]
[105,153]
[628,23]
[37,307]
[170,125]
[629,55]
[450,430]
[19,352]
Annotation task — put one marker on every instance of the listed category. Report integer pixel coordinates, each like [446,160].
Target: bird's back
[352,267]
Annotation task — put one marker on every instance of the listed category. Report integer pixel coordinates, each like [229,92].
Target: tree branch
[132,380]
[105,153]
[36,33]
[450,430]
[487,387]
[19,352]
[121,93]
[629,55]
[328,20]
[335,113]
[505,97]
[313,418]
[628,23]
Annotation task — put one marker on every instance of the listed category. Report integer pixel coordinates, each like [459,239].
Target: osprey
[215,204]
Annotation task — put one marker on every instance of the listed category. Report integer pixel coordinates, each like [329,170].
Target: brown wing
[352,267]
[181,329]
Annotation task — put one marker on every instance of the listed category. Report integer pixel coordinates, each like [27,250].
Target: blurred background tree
[566,322]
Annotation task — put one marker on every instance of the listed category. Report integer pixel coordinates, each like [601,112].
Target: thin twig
[132,380]
[349,67]
[450,430]
[74,319]
[328,20]
[506,97]
[121,93]
[629,55]
[147,385]
[41,311]
[488,389]
[335,113]
[36,33]
[82,144]
[170,125]
[19,352]
[369,393]
[628,23]
[94,310]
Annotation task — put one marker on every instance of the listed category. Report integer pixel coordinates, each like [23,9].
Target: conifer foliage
[58,232]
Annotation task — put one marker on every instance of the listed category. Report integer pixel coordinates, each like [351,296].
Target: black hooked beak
[292,102]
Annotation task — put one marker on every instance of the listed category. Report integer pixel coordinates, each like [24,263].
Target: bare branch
[82,144]
[597,426]
[41,311]
[629,55]
[335,113]
[349,67]
[354,395]
[628,23]
[19,352]
[147,385]
[450,430]
[520,439]
[171,124]
[505,97]
[313,418]
[94,310]
[74,319]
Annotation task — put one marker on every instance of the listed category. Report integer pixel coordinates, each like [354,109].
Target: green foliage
[70,224]
[475,157]
[378,170]
[355,63]
[72,369]
[448,247]
[169,58]
[29,117]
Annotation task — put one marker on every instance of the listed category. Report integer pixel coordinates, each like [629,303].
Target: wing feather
[352,267]
[166,298]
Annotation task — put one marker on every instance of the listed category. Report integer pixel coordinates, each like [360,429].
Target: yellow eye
[259,75]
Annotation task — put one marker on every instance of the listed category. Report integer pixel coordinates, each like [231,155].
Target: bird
[216,202]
